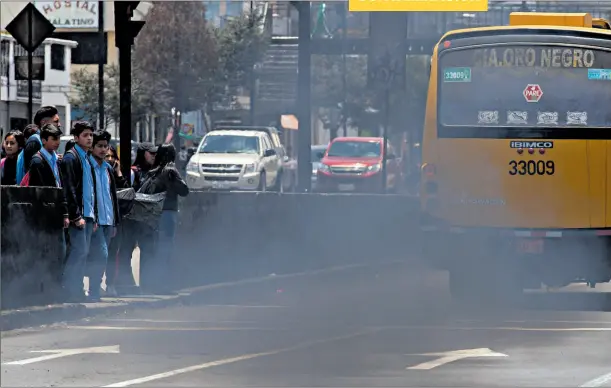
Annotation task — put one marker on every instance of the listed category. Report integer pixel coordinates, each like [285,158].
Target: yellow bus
[516,155]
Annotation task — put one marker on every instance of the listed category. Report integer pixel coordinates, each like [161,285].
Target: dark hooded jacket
[140,168]
[164,177]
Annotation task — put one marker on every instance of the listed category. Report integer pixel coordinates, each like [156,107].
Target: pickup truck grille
[222,168]
[348,169]
[220,178]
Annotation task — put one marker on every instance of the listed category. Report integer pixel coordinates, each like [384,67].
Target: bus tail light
[429,170]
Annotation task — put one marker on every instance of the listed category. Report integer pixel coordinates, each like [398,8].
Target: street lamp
[176,124]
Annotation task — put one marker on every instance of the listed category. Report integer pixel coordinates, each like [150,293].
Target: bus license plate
[346,187]
[532,246]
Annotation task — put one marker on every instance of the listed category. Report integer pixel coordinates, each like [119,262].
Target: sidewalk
[50,314]
[135,270]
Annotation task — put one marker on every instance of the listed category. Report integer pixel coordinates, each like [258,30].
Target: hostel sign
[75,15]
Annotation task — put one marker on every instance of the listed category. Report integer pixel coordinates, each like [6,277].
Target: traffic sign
[30,28]
[532,93]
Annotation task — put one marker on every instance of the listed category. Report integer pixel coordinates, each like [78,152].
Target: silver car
[318,151]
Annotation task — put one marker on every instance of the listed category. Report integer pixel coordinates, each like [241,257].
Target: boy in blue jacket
[79,185]
[108,213]
[45,115]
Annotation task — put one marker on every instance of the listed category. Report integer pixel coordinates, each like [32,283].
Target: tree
[328,87]
[148,95]
[406,106]
[241,43]
[177,46]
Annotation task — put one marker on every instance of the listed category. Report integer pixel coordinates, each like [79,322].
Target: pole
[125,107]
[253,94]
[385,135]
[30,71]
[253,81]
[177,127]
[304,133]
[102,53]
[344,80]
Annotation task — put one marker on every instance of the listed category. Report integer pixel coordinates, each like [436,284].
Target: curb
[46,315]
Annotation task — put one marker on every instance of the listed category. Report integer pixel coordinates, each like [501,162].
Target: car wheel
[262,182]
[279,184]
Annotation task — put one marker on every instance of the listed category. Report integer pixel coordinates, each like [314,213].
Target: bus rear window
[532,86]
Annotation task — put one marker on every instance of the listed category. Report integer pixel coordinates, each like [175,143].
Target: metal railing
[22,89]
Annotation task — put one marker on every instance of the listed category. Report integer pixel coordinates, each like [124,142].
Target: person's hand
[66,223]
[113,234]
[117,167]
[80,223]
[60,157]
[95,227]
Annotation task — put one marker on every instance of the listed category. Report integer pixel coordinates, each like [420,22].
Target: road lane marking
[232,360]
[154,328]
[170,321]
[598,382]
[502,328]
[291,275]
[451,356]
[533,321]
[58,353]
[242,306]
[551,329]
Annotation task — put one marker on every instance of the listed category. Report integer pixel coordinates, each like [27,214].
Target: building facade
[53,90]
[77,21]
[219,11]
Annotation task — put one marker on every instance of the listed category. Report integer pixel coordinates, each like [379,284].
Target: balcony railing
[22,89]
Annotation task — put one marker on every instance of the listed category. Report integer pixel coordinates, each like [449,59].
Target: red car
[354,164]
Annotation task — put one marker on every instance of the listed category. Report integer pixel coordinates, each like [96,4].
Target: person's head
[83,134]
[50,136]
[145,155]
[112,156]
[165,154]
[47,115]
[13,143]
[101,141]
[30,130]
[69,145]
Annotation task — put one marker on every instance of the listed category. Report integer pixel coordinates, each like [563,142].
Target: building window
[58,59]
[235,8]
[213,9]
[4,57]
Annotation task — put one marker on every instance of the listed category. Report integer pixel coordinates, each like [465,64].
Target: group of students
[90,175]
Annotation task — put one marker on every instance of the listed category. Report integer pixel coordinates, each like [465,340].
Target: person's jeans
[156,272]
[74,272]
[112,264]
[165,238]
[98,256]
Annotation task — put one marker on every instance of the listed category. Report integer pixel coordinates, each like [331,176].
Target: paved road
[388,326]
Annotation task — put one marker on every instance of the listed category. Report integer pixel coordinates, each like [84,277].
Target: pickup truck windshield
[230,144]
[355,149]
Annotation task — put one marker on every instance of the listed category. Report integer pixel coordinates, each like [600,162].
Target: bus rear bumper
[552,257]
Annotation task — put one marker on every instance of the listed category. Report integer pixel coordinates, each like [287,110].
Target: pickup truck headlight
[250,168]
[192,167]
[374,168]
[323,168]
